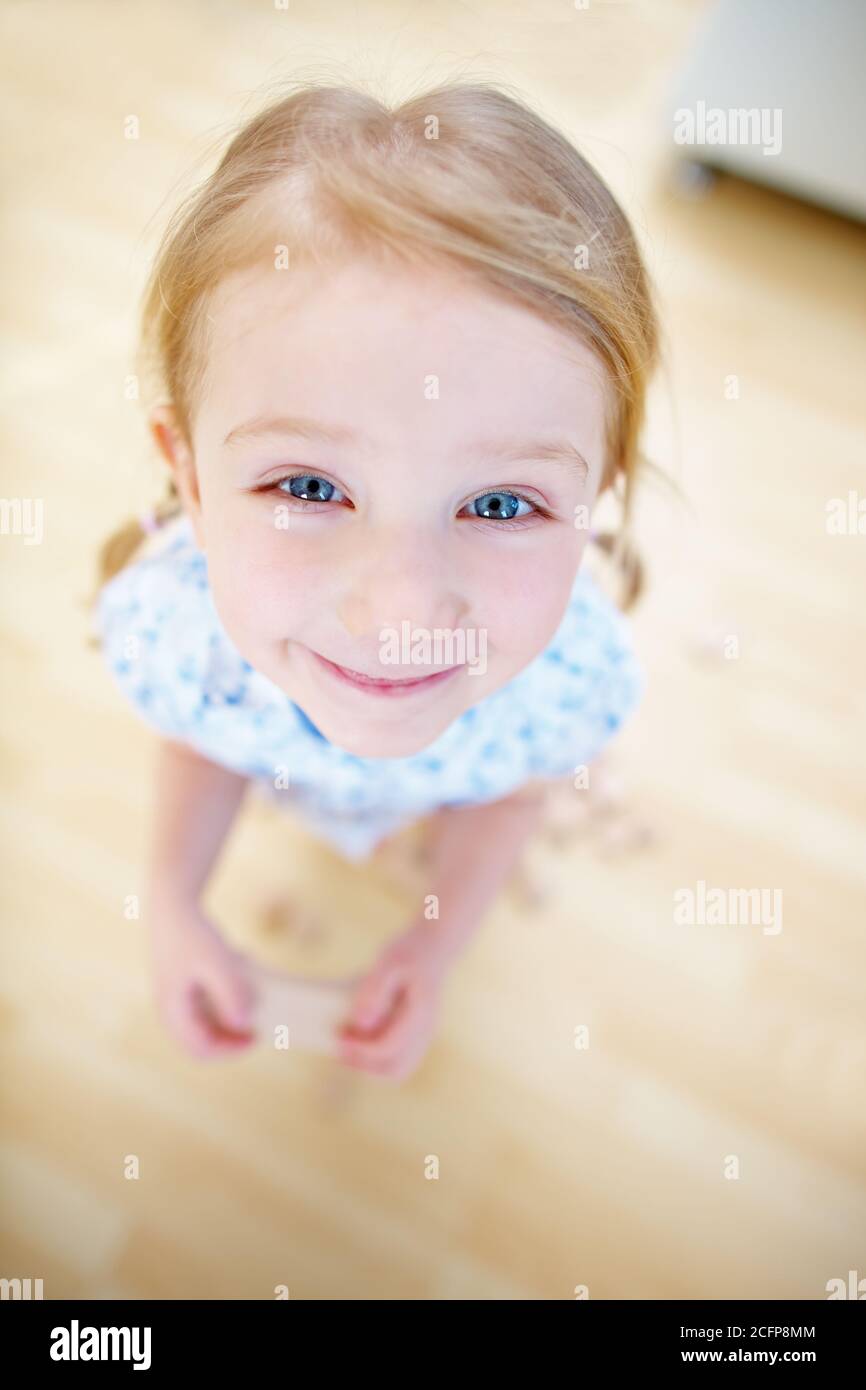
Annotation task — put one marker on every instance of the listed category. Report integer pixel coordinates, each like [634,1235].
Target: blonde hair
[464,174]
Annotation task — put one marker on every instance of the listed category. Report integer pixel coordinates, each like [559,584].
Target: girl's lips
[374,686]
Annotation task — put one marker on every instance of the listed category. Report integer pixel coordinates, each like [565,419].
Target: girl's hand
[204,991]
[395,1009]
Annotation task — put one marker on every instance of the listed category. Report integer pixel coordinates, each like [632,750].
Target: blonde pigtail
[628,563]
[125,542]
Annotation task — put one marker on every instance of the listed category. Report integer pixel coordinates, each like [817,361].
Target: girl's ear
[172,444]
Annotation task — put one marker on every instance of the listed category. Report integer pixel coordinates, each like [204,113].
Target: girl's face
[390,474]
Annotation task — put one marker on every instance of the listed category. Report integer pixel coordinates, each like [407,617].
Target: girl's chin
[375,743]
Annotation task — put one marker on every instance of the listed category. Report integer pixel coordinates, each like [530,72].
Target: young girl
[398,355]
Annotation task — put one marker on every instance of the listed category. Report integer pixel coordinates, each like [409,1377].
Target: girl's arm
[203,986]
[394,1012]
[196,803]
[475,850]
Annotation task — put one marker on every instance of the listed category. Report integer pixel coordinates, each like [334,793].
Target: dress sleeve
[596,683]
[148,635]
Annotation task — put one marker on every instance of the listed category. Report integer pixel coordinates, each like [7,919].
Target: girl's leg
[405,854]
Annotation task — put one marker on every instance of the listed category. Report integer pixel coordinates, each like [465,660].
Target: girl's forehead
[362,284]
[356,343]
[350,307]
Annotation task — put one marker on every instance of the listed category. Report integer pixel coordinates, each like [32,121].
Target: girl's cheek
[268,582]
[526,598]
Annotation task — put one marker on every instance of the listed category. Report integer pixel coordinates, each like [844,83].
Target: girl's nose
[396,586]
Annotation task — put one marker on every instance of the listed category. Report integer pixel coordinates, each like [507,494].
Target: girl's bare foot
[281,916]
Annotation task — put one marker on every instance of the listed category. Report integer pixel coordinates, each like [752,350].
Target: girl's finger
[192,1026]
[228,998]
[384,1047]
[190,1033]
[408,1063]
[394,1039]
[220,1038]
[374,998]
[396,1011]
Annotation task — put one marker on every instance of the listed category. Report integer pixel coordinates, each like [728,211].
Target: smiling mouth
[374,685]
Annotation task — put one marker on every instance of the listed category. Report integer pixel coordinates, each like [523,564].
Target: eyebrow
[553,450]
[260,428]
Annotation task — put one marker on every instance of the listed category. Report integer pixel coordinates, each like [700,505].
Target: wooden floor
[606,1167]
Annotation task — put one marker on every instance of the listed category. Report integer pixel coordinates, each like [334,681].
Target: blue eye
[308,487]
[499,506]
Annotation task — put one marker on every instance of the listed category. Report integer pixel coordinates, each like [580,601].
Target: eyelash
[513,524]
